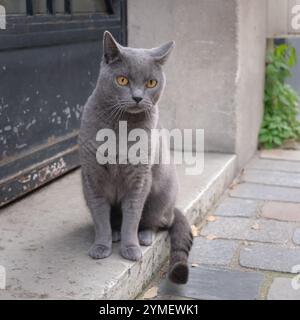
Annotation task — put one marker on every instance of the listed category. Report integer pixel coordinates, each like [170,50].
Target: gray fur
[130,202]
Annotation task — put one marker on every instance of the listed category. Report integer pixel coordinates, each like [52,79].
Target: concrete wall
[250,76]
[211,61]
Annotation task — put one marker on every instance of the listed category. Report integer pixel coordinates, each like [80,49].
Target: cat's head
[132,79]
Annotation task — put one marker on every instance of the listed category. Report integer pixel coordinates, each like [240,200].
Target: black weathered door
[49,61]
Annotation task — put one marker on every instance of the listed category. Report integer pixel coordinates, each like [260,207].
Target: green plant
[281,101]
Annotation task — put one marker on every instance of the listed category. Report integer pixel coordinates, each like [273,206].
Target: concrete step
[44,239]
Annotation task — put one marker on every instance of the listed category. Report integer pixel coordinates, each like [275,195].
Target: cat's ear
[162,53]
[111,48]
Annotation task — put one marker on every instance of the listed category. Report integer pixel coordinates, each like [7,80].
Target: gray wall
[250,76]
[215,76]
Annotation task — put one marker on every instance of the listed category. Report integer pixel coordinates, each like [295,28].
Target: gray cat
[129,202]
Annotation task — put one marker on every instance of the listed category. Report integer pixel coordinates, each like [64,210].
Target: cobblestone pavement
[249,246]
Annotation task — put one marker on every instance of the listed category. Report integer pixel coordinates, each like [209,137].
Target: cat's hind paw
[133,253]
[99,251]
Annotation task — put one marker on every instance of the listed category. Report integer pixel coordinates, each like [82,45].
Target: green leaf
[280,100]
[263,138]
[277,141]
[293,57]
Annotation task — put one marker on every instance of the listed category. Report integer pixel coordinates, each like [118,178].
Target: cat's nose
[137,99]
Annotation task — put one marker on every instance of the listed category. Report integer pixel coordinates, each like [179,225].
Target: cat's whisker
[120,112]
[107,109]
[113,113]
[118,115]
[149,114]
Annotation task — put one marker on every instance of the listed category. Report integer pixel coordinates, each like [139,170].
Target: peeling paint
[52,171]
[34,178]
[46,173]
[30,124]
[20,146]
[67,111]
[77,114]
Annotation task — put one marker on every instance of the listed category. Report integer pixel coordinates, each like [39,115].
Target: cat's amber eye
[151,83]
[122,81]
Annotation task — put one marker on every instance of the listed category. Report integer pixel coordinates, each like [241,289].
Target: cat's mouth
[135,109]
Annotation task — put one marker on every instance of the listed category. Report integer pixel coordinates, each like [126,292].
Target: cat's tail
[181,243]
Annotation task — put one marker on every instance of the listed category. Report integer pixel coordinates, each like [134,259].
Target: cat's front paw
[99,251]
[133,253]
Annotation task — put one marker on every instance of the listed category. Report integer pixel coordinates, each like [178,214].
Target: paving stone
[279,154]
[249,229]
[237,207]
[264,192]
[278,165]
[296,236]
[218,252]
[282,289]
[217,284]
[268,257]
[276,178]
[281,211]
